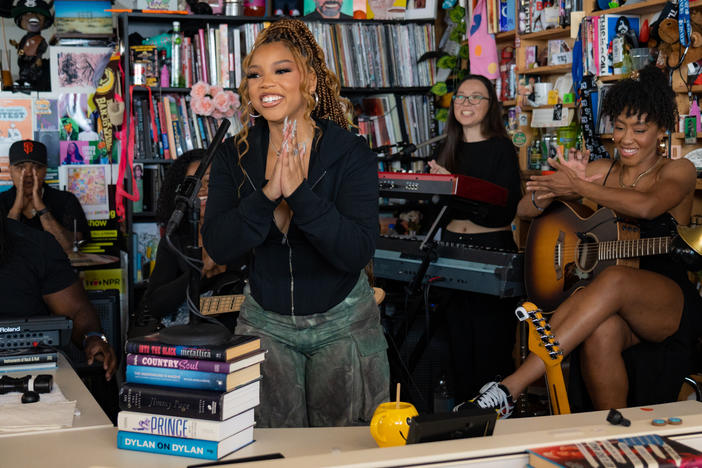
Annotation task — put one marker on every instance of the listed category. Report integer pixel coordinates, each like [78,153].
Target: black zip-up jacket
[332,232]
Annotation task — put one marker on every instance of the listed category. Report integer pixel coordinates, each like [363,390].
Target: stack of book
[191,401]
[28,359]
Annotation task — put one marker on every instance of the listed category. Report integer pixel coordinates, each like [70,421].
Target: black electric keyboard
[478,269]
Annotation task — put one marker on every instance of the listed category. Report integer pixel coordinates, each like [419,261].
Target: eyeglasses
[474,99]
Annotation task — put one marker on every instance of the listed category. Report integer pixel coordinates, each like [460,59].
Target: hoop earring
[251,114]
[661,148]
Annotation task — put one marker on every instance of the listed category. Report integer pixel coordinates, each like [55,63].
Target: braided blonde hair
[309,57]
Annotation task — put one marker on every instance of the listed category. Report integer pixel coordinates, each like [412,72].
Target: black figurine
[33,16]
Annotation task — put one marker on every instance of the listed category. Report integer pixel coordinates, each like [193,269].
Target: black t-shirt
[494,160]
[64,207]
[36,265]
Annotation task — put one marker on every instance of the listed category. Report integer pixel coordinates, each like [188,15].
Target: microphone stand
[197,332]
[404,155]
[428,254]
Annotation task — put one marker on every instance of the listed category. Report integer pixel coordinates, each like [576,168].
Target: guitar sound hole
[587,253]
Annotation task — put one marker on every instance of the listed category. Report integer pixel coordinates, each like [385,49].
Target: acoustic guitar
[570,244]
[543,343]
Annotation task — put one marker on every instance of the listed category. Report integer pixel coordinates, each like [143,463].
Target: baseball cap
[28,150]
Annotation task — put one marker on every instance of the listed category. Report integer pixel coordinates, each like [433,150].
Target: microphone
[189,188]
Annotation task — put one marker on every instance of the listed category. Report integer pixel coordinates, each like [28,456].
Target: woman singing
[654,308]
[300,192]
[482,326]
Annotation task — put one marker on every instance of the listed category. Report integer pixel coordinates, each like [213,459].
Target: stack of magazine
[191,401]
[30,359]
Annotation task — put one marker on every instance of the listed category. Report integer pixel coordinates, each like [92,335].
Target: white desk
[91,415]
[353,446]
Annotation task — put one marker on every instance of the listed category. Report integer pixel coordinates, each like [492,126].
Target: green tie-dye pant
[328,369]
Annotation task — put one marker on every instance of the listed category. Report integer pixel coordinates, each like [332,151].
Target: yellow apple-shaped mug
[390,424]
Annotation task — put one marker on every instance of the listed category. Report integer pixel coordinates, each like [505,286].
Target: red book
[646,451]
[203,56]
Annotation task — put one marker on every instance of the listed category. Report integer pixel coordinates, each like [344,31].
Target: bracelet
[41,212]
[533,202]
[96,334]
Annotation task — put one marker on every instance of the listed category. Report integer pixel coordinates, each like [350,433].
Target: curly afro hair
[174,176]
[647,94]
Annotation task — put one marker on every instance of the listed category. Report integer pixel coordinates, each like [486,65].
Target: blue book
[195,448]
[170,377]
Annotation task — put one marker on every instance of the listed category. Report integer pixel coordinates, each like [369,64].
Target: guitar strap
[588,88]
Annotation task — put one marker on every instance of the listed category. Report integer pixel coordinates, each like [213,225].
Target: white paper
[52,411]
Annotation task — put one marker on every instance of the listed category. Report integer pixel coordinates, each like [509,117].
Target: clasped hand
[562,182]
[289,169]
[22,203]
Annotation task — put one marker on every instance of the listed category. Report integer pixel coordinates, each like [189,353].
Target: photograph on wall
[74,152]
[46,126]
[83,18]
[385,9]
[420,9]
[328,9]
[77,119]
[77,69]
[89,183]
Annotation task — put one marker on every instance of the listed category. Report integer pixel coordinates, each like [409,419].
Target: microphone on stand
[196,332]
[187,191]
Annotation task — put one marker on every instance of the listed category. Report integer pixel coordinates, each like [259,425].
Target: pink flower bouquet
[213,101]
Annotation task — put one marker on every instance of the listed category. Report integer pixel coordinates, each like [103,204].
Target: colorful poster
[385,9]
[16,123]
[77,69]
[329,9]
[89,184]
[483,51]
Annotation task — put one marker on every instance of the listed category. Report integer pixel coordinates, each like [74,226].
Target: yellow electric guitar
[543,343]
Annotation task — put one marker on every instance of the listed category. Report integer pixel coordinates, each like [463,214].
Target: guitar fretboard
[221,304]
[611,250]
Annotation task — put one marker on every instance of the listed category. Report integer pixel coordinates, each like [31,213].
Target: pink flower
[215,90]
[221,102]
[217,114]
[233,99]
[202,106]
[200,89]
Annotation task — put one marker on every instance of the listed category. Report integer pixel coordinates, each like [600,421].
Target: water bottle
[177,78]
[443,397]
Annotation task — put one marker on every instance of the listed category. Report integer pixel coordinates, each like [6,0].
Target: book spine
[188,428]
[27,359]
[178,132]
[237,56]
[223,55]
[174,151]
[187,62]
[165,141]
[208,354]
[28,367]
[204,66]
[176,363]
[170,402]
[176,378]
[167,445]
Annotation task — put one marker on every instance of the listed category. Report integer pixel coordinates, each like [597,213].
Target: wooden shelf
[552,33]
[505,36]
[552,70]
[698,184]
[640,8]
[509,103]
[568,105]
[610,78]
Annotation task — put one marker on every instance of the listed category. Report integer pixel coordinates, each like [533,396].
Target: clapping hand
[292,158]
[568,173]
[18,205]
[37,202]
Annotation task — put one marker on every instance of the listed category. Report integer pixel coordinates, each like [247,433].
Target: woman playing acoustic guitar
[655,305]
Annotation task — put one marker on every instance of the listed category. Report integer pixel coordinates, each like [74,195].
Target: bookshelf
[375,61]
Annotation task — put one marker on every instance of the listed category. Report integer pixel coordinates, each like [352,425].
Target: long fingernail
[304,149]
[294,128]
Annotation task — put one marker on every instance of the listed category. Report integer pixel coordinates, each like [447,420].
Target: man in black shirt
[36,278]
[35,204]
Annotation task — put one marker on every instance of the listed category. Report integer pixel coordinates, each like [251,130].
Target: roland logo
[10,329]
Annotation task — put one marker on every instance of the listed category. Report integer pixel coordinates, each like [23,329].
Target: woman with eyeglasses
[482,326]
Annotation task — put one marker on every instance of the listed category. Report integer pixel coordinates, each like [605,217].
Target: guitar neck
[557,390]
[221,304]
[612,250]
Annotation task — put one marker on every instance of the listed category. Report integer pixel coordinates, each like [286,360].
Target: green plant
[453,54]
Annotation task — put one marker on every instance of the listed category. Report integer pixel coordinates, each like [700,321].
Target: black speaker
[106,304]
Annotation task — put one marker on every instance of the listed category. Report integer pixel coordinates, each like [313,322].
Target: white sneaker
[496,396]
